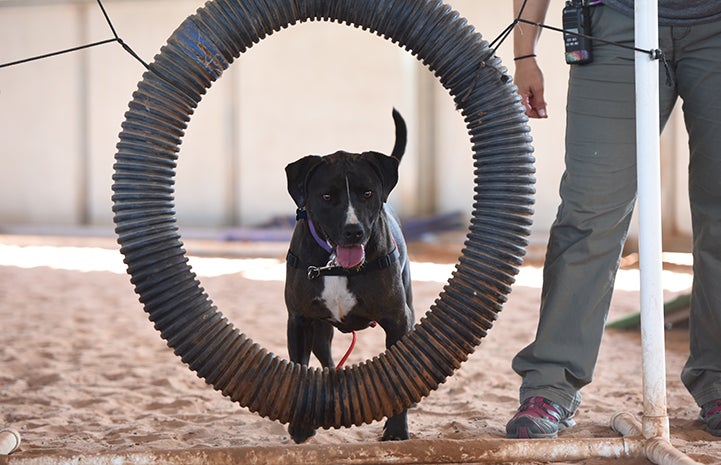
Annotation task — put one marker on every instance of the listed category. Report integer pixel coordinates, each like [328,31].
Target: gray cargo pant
[598,191]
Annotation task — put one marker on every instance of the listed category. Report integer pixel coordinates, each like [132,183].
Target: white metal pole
[414,452]
[655,417]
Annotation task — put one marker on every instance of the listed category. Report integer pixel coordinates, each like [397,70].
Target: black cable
[503,35]
[107,19]
[60,52]
[132,53]
[115,38]
[655,54]
[125,46]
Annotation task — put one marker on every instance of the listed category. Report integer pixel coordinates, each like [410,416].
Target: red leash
[350,349]
[347,352]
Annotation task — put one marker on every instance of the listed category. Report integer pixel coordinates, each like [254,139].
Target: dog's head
[343,194]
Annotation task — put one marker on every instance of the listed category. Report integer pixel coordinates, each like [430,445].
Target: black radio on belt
[576,20]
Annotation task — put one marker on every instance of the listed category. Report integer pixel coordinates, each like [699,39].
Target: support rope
[494,45]
[115,38]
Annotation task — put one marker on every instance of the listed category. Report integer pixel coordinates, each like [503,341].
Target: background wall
[311,88]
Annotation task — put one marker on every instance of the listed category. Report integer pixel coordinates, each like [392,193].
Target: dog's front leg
[300,339]
[396,427]
[300,342]
[322,338]
[306,335]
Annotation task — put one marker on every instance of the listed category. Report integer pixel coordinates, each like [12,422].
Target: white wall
[40,117]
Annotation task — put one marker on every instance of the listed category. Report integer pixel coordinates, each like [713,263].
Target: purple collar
[301,214]
[324,244]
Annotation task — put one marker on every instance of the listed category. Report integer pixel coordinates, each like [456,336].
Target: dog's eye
[367,194]
[326,197]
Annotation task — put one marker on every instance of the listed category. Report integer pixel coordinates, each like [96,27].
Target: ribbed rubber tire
[196,55]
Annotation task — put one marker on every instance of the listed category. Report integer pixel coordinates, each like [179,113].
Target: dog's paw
[300,434]
[395,429]
[395,436]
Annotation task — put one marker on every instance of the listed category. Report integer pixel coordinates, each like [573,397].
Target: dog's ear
[298,173]
[387,169]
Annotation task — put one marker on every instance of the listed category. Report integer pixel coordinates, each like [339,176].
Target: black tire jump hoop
[195,56]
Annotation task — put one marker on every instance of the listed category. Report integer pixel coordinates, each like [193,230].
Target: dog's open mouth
[350,256]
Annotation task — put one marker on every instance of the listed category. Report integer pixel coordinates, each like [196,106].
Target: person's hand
[529,80]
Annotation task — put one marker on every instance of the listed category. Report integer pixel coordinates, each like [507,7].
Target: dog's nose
[352,232]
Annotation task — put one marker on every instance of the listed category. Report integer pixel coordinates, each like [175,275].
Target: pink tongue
[350,257]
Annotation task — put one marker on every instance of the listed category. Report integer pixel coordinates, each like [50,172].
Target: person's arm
[528,76]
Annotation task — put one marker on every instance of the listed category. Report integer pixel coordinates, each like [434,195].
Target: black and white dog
[347,266]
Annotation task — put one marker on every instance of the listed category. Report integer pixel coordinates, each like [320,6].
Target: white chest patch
[336,296]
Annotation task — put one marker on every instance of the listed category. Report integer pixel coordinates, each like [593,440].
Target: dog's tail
[401,136]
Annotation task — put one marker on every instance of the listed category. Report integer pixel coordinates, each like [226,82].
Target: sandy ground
[82,370]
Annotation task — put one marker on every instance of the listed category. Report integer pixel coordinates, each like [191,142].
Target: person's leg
[598,192]
[699,80]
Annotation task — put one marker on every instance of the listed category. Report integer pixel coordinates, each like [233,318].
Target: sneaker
[711,415]
[538,417]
